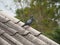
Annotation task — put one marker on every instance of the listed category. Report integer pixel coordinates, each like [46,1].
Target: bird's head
[31,17]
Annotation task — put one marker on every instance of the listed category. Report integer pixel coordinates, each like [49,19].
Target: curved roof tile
[11,33]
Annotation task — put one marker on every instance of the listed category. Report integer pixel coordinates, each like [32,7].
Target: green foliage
[55,0]
[44,11]
[56,35]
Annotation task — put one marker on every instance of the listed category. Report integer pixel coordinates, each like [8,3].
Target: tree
[56,36]
[45,13]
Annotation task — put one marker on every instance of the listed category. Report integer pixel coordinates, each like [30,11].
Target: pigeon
[29,21]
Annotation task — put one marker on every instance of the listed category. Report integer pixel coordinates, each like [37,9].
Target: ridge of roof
[12,27]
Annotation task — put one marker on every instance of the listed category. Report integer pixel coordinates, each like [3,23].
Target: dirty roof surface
[11,33]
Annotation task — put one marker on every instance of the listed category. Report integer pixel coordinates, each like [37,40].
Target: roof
[11,33]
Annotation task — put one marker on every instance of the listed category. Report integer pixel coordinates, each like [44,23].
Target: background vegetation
[46,14]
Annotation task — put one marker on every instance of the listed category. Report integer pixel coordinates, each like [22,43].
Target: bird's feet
[26,27]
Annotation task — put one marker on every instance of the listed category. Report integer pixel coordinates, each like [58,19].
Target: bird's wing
[29,21]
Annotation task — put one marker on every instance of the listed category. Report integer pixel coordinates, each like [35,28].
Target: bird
[29,21]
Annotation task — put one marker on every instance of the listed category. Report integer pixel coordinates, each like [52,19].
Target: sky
[8,5]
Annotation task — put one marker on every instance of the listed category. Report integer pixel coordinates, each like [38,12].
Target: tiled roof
[11,33]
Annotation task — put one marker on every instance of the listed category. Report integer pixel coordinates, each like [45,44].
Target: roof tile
[14,34]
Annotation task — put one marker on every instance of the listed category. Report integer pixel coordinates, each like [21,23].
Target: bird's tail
[23,25]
